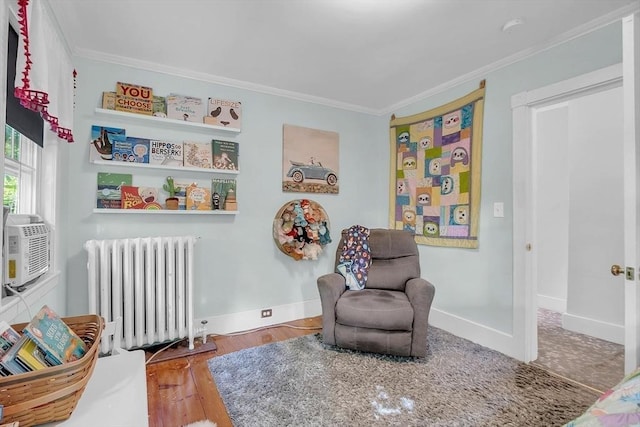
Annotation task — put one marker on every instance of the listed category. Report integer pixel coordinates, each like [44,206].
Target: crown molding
[224,81]
[481,72]
[474,75]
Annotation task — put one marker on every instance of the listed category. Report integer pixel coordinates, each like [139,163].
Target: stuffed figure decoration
[301,229]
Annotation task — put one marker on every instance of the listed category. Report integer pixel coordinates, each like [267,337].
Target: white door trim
[524,260]
[631,112]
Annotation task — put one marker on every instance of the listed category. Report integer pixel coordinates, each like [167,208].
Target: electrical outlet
[266,313]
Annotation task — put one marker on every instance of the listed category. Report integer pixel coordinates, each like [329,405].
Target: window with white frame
[21,161]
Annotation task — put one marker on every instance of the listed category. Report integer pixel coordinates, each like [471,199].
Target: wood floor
[181,391]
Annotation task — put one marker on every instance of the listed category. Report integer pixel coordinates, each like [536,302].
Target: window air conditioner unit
[27,252]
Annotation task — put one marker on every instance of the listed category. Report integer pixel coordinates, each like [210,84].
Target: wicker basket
[52,394]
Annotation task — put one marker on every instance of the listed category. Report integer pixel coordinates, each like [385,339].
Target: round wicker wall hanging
[301,229]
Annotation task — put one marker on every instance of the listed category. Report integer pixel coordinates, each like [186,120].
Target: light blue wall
[238,266]
[477,284]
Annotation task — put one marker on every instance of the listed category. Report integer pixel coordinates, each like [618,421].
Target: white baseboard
[595,328]
[246,320]
[475,332]
[558,305]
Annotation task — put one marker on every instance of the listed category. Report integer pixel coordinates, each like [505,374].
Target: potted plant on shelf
[172,200]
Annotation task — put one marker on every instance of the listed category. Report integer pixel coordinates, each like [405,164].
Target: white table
[116,394]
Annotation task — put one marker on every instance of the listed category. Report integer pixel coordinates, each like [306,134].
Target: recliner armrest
[419,288]
[330,286]
[420,293]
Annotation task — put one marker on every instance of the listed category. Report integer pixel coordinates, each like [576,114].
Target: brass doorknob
[616,269]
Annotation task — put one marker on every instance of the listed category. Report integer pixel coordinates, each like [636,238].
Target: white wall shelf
[152,121]
[165,121]
[163,212]
[116,163]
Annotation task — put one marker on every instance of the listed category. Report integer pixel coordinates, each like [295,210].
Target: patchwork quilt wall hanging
[434,188]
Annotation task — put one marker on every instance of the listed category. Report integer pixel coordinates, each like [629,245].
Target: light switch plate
[498,210]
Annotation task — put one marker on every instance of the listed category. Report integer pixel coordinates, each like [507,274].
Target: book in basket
[8,338]
[25,356]
[10,360]
[56,339]
[32,356]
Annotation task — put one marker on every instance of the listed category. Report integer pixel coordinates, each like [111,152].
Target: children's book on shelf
[55,338]
[225,154]
[139,198]
[220,188]
[225,113]
[109,184]
[198,154]
[132,150]
[187,108]
[102,140]
[159,106]
[182,185]
[166,153]
[198,198]
[109,100]
[133,98]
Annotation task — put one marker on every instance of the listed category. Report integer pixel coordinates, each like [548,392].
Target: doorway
[578,223]
[567,181]
[578,178]
[544,101]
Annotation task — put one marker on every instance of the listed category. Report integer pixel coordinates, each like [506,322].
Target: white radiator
[148,282]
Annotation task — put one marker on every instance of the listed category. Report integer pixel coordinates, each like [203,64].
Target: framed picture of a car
[310,160]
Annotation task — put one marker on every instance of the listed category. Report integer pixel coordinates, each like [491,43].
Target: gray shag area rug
[303,382]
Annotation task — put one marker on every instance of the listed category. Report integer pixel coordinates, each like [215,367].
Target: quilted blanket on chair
[355,258]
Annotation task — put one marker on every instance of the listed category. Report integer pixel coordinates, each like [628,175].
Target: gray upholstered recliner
[390,315]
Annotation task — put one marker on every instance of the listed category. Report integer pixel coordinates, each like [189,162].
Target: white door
[631,86]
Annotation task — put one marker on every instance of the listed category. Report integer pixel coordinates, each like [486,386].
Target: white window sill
[12,306]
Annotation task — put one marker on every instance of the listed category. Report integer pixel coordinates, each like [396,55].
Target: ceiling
[364,55]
